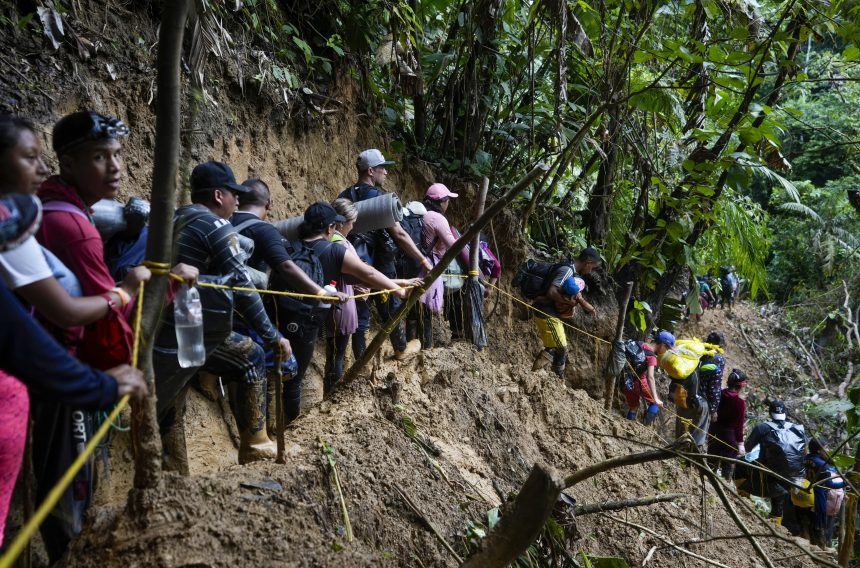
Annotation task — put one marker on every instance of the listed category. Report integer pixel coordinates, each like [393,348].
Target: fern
[806,211]
[742,233]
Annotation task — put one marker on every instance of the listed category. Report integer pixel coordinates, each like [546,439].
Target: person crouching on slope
[561,289]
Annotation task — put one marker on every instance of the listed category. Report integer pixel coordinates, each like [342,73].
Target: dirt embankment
[483,418]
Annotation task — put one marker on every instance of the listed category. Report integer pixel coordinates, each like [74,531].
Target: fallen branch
[667,541]
[754,348]
[328,452]
[426,522]
[734,515]
[580,510]
[525,518]
[810,360]
[521,522]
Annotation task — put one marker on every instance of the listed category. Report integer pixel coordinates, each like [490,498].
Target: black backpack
[306,258]
[533,278]
[408,267]
[783,448]
[637,354]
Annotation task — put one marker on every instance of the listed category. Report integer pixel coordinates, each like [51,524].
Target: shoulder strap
[66,207]
[247,223]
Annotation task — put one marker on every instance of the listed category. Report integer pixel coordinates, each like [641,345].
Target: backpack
[783,447]
[106,342]
[533,278]
[406,266]
[637,355]
[305,256]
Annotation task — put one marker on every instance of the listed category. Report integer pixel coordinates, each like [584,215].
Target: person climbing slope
[557,286]
[378,248]
[691,409]
[638,380]
[782,449]
[711,374]
[727,428]
[829,492]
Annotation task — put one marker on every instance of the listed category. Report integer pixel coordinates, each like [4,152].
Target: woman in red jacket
[727,431]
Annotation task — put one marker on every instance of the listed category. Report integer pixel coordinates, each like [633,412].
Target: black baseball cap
[777,410]
[212,174]
[590,254]
[320,215]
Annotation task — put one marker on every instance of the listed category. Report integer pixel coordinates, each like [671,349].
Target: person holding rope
[727,429]
[207,240]
[378,248]
[691,409]
[37,365]
[89,150]
[300,320]
[270,254]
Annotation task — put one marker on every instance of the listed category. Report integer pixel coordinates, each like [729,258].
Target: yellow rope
[51,500]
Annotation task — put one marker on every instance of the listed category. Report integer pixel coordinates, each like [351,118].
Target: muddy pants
[700,418]
[237,359]
[386,310]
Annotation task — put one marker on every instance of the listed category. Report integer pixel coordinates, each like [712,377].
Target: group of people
[66,330]
[67,339]
[710,292]
[775,460]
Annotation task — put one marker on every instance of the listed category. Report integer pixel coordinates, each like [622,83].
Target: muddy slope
[484,419]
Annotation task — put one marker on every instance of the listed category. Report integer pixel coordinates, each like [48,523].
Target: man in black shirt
[269,253]
[206,240]
[381,246]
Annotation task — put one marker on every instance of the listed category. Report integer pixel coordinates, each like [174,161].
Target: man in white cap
[379,248]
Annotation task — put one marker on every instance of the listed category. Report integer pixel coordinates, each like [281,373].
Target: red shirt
[78,244]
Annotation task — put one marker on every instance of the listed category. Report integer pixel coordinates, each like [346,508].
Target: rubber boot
[651,415]
[776,520]
[175,452]
[631,415]
[208,385]
[254,442]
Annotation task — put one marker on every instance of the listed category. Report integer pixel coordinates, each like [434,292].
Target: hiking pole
[279,406]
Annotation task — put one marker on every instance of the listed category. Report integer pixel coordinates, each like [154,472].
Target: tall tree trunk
[145,435]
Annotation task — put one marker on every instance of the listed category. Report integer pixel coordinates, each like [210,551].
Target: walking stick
[279,407]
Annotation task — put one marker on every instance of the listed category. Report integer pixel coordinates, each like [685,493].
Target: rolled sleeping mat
[376,213]
[289,228]
[109,217]
[112,217]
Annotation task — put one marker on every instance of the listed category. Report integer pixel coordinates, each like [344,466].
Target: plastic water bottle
[188,317]
[330,290]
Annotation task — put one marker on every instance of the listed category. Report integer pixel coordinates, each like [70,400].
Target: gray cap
[371,159]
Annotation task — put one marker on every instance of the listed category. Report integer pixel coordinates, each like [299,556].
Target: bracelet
[124,298]
[111,303]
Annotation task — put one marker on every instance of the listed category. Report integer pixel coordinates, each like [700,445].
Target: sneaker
[20,217]
[412,348]
[542,361]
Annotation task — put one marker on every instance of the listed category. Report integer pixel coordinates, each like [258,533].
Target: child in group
[571,291]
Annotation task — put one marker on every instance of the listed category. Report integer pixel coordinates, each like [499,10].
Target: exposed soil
[485,413]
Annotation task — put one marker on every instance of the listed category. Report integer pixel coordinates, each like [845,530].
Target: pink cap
[439,191]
